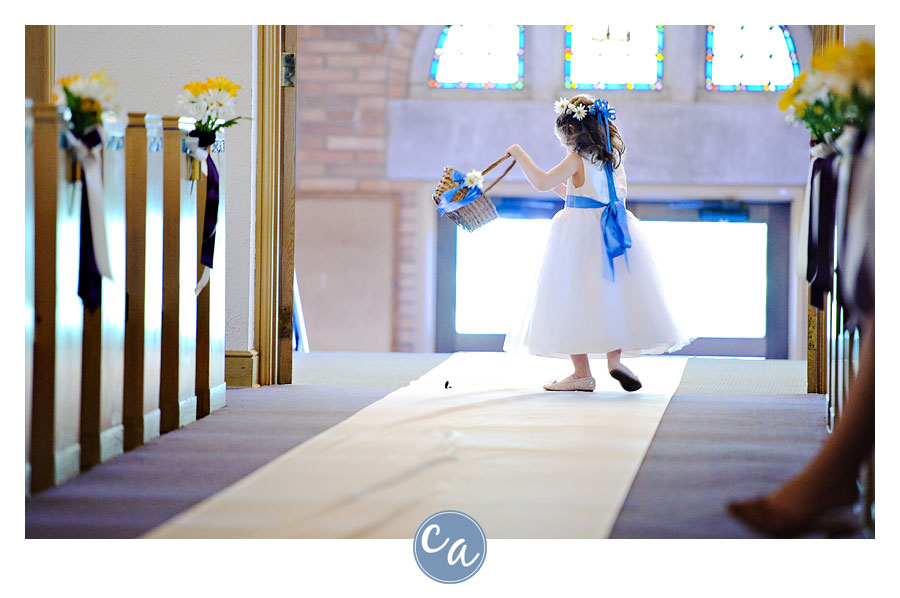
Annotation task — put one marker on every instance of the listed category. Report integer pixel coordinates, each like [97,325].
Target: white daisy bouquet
[210,102]
[87,98]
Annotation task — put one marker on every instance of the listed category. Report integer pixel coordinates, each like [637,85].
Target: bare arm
[545,181]
[560,190]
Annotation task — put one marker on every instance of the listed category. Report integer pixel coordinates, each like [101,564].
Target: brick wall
[346,75]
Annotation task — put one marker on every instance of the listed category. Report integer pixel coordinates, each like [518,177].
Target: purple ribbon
[820,260]
[89,278]
[211,213]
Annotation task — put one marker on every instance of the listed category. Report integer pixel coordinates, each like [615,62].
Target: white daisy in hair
[561,105]
[578,112]
[474,178]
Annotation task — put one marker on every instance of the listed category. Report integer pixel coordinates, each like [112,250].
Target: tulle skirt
[576,307]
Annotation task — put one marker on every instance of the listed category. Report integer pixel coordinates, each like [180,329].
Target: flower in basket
[86,98]
[837,90]
[474,178]
[210,102]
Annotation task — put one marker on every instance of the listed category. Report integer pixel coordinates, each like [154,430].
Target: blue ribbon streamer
[447,205]
[614,219]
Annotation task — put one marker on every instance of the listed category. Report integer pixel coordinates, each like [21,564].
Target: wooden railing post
[143,324]
[103,358]
[177,395]
[29,282]
[58,312]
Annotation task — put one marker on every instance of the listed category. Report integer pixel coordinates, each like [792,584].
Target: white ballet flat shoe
[585,384]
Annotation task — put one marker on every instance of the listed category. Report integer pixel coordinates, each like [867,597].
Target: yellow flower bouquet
[837,90]
[86,98]
[210,102]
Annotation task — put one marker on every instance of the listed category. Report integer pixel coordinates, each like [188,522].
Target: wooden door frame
[275,188]
[40,62]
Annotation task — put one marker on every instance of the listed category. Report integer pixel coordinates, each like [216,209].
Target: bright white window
[750,58]
[714,275]
[710,271]
[496,267]
[479,56]
[614,57]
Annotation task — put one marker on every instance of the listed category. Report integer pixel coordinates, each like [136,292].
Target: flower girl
[598,291]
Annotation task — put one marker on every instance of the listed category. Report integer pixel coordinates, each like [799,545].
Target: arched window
[609,57]
[750,58]
[479,56]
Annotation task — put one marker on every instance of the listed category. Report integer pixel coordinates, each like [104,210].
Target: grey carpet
[745,433]
[136,491]
[734,429]
[703,375]
[710,449]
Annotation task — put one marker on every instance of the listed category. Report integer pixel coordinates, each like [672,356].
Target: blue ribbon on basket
[447,205]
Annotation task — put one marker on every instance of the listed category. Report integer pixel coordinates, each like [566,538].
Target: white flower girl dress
[584,301]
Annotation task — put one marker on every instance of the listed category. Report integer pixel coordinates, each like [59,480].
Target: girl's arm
[560,190]
[545,181]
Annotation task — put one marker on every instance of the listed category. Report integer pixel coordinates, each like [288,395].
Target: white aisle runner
[523,462]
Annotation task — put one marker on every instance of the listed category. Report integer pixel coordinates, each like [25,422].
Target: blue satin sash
[613,226]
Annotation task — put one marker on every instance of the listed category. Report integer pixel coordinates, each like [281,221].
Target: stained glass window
[614,57]
[750,58]
[479,56]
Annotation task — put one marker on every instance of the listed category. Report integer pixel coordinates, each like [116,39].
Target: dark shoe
[761,517]
[628,382]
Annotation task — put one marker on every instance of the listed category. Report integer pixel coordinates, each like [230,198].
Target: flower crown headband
[600,107]
[562,105]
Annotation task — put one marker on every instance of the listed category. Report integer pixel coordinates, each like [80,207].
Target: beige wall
[345,254]
[150,64]
[854,33]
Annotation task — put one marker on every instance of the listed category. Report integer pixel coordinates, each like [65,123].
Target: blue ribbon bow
[447,205]
[602,106]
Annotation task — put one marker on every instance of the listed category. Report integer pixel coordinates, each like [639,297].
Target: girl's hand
[516,151]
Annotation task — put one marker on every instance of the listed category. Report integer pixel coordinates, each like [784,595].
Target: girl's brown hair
[587,137]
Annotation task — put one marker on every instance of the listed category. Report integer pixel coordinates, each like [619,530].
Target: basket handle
[505,172]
